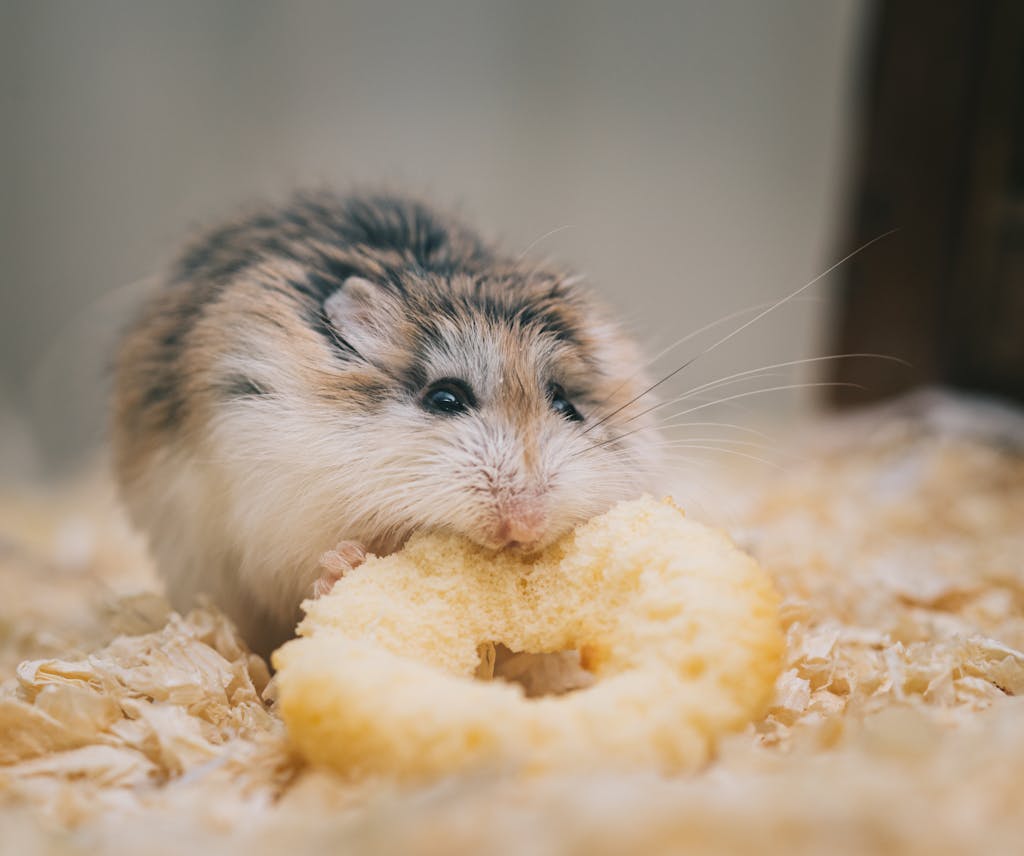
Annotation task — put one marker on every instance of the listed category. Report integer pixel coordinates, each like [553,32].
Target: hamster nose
[520,524]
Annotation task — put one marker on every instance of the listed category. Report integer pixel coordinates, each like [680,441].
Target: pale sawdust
[898,726]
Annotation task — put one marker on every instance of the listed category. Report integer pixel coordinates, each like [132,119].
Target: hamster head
[496,405]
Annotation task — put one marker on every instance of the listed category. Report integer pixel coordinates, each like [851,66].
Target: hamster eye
[561,405]
[448,396]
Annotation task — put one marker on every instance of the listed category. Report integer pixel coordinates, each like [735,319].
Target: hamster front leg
[346,556]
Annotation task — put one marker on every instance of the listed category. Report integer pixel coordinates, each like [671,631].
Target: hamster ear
[363,314]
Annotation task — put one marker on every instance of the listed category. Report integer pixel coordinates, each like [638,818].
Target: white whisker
[744,326]
[758,373]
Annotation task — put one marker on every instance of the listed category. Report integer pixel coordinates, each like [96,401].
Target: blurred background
[692,158]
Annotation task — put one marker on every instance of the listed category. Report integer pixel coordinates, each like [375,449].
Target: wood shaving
[897,725]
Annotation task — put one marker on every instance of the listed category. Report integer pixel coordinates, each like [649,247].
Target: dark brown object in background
[942,160]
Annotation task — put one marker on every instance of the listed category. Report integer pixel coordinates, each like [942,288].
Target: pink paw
[335,563]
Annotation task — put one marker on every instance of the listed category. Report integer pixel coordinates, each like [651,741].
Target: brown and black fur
[244,341]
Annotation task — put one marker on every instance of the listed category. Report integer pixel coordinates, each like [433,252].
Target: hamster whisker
[746,455]
[725,445]
[543,237]
[762,371]
[692,335]
[719,401]
[702,398]
[768,447]
[755,308]
[789,297]
[750,392]
[731,425]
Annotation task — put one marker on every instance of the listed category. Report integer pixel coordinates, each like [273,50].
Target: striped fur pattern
[270,401]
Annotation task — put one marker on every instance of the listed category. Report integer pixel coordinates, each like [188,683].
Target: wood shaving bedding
[897,725]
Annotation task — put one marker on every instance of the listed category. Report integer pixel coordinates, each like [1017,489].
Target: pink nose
[520,523]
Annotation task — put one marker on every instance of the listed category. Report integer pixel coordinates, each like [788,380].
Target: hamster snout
[355,369]
[521,523]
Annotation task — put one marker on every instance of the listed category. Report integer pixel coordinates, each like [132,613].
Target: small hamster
[335,373]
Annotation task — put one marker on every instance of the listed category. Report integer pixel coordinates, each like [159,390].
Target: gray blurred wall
[694,153]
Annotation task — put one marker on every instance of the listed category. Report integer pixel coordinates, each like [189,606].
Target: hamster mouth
[520,525]
[492,541]
[523,548]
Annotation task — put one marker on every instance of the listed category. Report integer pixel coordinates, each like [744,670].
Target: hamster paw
[335,563]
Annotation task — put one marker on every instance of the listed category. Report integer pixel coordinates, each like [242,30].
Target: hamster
[338,372]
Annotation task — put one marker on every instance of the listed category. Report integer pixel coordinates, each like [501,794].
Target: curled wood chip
[146,709]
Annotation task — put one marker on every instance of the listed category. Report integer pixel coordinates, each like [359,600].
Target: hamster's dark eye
[561,404]
[448,396]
